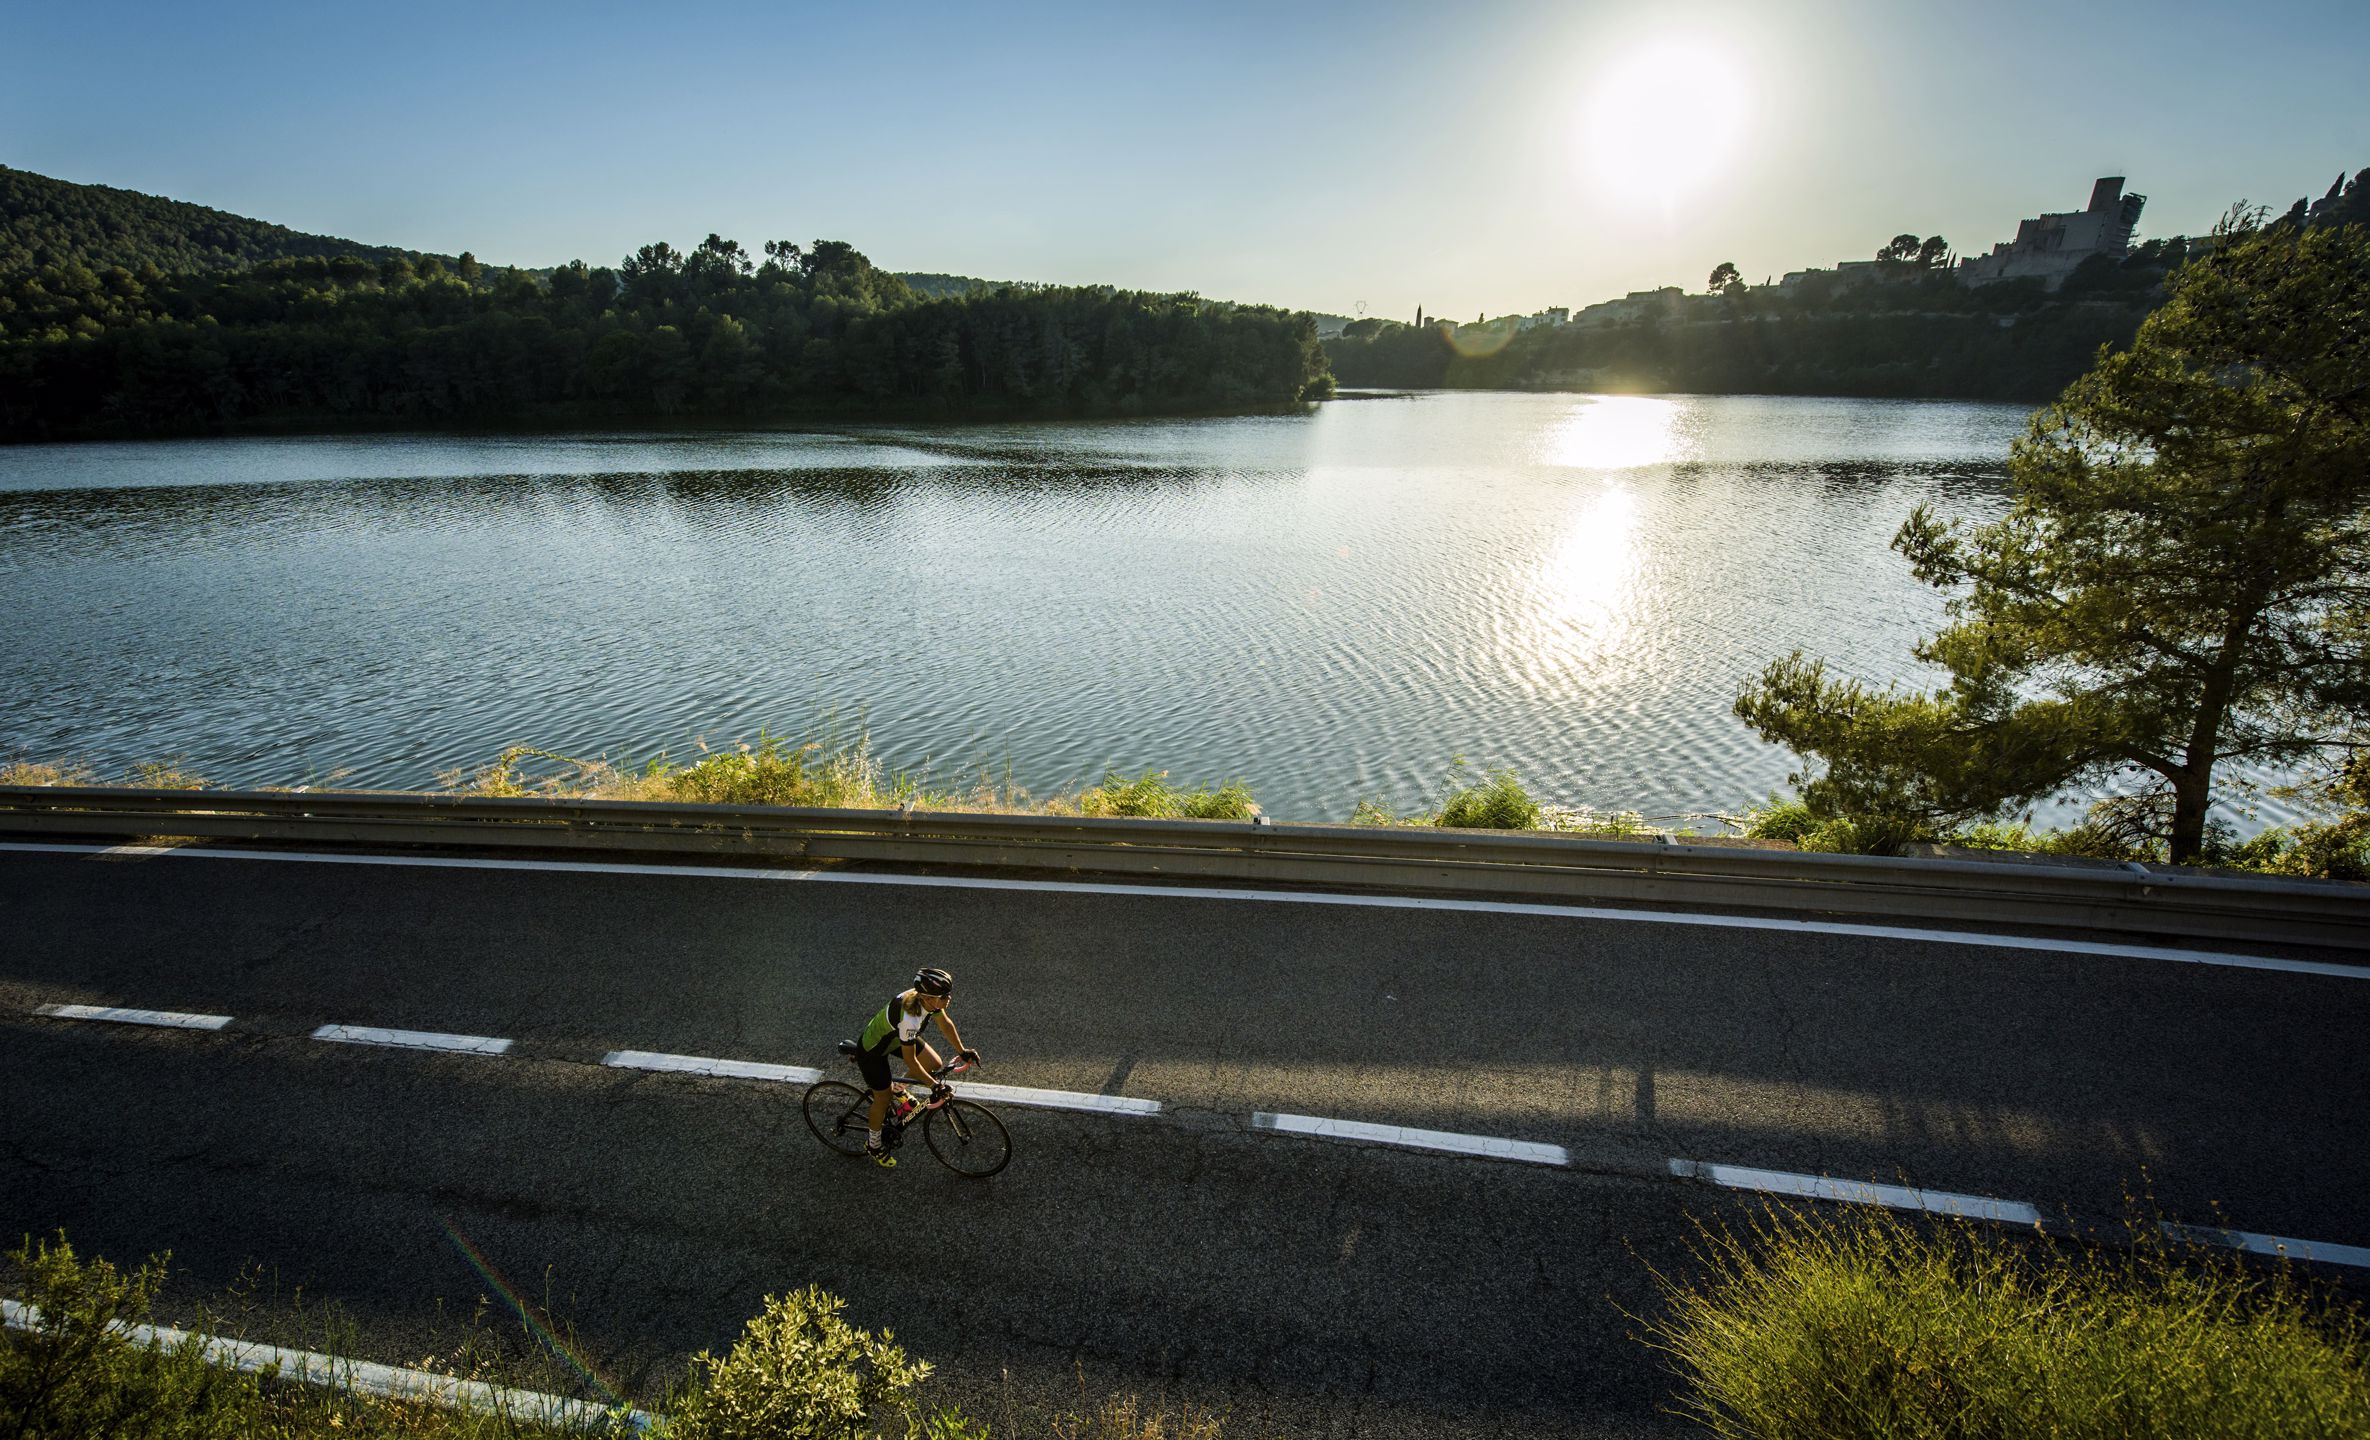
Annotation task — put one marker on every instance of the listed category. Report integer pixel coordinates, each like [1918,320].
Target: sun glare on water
[1660,123]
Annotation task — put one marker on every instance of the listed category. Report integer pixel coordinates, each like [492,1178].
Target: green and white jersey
[895,1019]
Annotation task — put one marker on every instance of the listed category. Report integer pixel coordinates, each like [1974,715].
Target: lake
[1330,607]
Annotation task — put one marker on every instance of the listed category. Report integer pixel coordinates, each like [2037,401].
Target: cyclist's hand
[968,1057]
[941,1091]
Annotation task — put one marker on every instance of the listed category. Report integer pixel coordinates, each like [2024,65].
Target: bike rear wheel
[968,1139]
[840,1115]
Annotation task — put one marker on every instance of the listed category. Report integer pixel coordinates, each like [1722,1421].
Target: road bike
[965,1135]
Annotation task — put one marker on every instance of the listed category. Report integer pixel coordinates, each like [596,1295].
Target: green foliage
[1866,1324]
[1779,819]
[1498,802]
[1150,796]
[56,224]
[342,337]
[800,1371]
[2180,578]
[2337,849]
[74,1376]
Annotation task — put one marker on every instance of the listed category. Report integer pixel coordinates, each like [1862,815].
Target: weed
[1498,802]
[1869,1324]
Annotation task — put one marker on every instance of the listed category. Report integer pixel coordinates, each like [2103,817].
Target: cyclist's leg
[929,1052]
[875,1065]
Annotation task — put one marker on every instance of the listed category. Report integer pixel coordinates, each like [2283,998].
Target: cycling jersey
[894,1020]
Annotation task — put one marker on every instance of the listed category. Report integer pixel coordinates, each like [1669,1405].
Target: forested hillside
[710,333]
[57,222]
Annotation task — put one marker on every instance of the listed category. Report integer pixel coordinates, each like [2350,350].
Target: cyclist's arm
[913,1062]
[946,1027]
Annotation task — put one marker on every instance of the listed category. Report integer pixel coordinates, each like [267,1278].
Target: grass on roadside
[1868,1324]
[798,1371]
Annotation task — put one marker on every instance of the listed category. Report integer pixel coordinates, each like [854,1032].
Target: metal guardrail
[2129,900]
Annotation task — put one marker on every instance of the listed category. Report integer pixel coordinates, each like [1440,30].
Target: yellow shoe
[879,1155]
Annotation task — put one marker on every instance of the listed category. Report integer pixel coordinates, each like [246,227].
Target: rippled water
[1330,607]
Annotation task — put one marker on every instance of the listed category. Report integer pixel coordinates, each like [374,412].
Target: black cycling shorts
[875,1065]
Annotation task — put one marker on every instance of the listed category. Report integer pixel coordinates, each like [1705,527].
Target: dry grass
[1871,1325]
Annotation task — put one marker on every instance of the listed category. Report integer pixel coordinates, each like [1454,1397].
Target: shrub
[1150,797]
[1873,1325]
[1498,803]
[73,1375]
[1789,820]
[1230,801]
[801,1372]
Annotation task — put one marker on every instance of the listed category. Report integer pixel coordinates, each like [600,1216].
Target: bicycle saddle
[850,1047]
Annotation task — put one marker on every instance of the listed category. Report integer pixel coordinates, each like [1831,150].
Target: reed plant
[1869,1324]
[1150,796]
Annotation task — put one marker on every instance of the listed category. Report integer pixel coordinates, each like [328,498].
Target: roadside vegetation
[1867,1324]
[844,772]
[798,1371]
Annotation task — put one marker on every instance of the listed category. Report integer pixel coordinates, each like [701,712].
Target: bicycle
[965,1135]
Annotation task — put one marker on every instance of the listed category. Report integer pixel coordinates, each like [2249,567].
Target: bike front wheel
[968,1139]
[840,1115]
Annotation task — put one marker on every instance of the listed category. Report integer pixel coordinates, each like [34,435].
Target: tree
[1900,249]
[1725,280]
[2182,578]
[1932,251]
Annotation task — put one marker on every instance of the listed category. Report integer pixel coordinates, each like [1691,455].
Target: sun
[1662,121]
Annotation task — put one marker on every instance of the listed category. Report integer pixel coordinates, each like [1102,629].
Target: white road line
[706,1065]
[1857,1192]
[412,1039]
[1409,1138]
[392,1381]
[1059,1099]
[175,1019]
[1976,939]
[801,1075]
[2257,1244]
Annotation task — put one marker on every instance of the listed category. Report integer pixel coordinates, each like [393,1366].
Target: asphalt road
[1309,1287]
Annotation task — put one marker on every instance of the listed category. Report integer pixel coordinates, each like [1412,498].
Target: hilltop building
[2050,247]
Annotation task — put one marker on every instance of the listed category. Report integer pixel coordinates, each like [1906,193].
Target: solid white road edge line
[706,1065]
[412,1039]
[2283,1245]
[1408,1137]
[1857,1192]
[392,1381]
[175,1019]
[1976,939]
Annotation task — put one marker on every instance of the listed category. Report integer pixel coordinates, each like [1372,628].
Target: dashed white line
[1858,1192]
[173,1019]
[1975,939]
[412,1039]
[1410,1138]
[708,1065]
[801,1075]
[2282,1245]
[1060,1099]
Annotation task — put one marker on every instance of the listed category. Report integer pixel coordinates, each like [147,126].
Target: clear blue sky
[1463,157]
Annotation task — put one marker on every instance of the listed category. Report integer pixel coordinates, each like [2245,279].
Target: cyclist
[899,1023]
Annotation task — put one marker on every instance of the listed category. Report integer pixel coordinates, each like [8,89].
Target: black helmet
[934,981]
